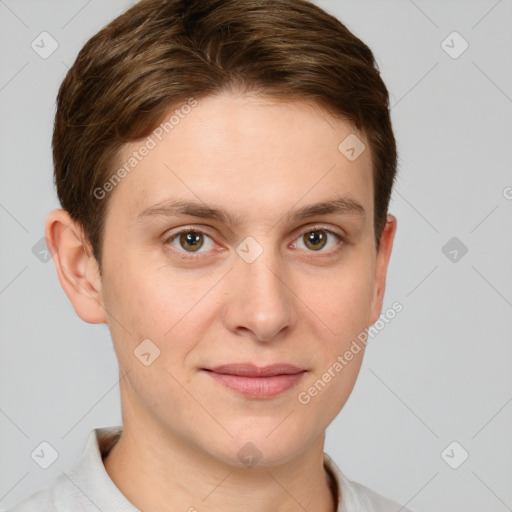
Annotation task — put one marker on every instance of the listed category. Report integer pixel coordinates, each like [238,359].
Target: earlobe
[381,267]
[76,267]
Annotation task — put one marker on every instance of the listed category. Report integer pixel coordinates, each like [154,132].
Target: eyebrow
[342,205]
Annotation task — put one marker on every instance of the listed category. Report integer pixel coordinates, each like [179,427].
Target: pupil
[190,240]
[313,238]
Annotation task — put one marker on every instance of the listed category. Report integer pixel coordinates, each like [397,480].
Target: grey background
[439,372]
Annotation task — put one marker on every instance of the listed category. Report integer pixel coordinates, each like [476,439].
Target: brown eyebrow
[341,205]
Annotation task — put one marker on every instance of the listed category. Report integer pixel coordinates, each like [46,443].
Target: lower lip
[258,387]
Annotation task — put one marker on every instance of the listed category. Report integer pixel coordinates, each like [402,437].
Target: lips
[251,370]
[257,382]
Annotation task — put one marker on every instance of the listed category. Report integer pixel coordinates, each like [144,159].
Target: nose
[261,302]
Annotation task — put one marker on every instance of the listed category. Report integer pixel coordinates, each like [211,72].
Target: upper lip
[251,370]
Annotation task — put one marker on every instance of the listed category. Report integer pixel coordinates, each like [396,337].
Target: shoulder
[374,501]
[355,497]
[86,487]
[61,495]
[40,501]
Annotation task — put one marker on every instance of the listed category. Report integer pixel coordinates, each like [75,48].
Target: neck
[182,477]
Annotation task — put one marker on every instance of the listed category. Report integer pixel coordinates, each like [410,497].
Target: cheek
[342,299]
[341,304]
[136,307]
[147,297]
[171,309]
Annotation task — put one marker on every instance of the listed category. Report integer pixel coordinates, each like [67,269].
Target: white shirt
[87,487]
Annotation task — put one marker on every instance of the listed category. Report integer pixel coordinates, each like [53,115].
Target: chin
[261,447]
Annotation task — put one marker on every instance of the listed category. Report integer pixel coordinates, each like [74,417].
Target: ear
[381,267]
[77,268]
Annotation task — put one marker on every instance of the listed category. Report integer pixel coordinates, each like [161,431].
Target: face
[215,253]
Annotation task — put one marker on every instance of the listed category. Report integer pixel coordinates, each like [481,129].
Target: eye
[317,239]
[191,241]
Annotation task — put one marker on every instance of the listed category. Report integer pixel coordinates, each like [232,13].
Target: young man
[225,169]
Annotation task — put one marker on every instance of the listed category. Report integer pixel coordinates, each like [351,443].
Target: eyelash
[193,255]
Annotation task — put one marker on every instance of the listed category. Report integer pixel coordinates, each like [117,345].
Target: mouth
[257,382]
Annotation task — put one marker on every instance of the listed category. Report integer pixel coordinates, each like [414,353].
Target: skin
[258,159]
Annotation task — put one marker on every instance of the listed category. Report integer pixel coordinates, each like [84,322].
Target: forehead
[245,152]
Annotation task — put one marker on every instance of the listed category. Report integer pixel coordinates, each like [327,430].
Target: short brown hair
[160,53]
